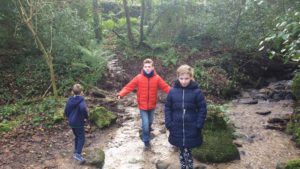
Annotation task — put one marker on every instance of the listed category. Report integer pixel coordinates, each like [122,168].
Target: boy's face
[184,79]
[148,67]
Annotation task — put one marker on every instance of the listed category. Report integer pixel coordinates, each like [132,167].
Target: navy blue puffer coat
[185,113]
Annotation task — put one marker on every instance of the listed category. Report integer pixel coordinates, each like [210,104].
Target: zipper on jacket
[148,93]
[183,114]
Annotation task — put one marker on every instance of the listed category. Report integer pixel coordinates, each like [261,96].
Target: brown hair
[185,69]
[148,60]
[77,89]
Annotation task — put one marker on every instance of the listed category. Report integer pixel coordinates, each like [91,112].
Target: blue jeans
[147,120]
[79,139]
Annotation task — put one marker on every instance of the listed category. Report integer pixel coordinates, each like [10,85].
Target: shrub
[293,164]
[296,86]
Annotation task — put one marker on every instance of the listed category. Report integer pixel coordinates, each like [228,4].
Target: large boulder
[218,137]
[95,157]
[101,117]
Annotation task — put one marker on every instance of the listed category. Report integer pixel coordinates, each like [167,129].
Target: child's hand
[119,97]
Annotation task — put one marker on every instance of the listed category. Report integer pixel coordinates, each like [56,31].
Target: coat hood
[73,102]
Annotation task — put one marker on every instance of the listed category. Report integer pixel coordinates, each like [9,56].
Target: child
[185,112]
[147,83]
[76,111]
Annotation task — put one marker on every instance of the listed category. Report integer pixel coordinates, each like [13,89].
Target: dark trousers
[79,139]
[186,159]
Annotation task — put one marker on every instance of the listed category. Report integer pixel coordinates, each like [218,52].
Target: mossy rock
[217,147]
[293,164]
[217,144]
[95,157]
[296,86]
[58,116]
[101,117]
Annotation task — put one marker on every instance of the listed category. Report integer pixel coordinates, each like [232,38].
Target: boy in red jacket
[147,83]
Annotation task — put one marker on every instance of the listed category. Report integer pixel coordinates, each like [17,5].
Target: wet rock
[280,165]
[98,94]
[162,164]
[248,101]
[263,112]
[280,120]
[200,166]
[238,135]
[95,157]
[102,117]
[275,127]
[238,143]
[163,131]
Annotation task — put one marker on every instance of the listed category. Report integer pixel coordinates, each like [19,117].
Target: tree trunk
[129,32]
[97,28]
[49,59]
[237,24]
[142,22]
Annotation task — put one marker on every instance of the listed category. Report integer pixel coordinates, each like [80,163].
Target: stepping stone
[263,113]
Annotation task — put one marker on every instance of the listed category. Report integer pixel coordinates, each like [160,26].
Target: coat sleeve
[163,85]
[168,111]
[202,110]
[129,87]
[83,109]
[66,111]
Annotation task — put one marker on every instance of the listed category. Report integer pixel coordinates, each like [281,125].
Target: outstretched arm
[129,87]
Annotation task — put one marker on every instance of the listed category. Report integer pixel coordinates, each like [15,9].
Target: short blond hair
[77,89]
[148,60]
[185,69]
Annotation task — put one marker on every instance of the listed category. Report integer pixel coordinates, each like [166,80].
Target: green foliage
[284,41]
[213,79]
[101,117]
[6,126]
[170,58]
[296,86]
[43,113]
[216,23]
[217,144]
[293,164]
[293,126]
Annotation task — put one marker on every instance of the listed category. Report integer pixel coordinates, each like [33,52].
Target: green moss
[102,117]
[217,147]
[95,157]
[293,127]
[293,164]
[296,86]
[58,116]
[7,126]
[217,139]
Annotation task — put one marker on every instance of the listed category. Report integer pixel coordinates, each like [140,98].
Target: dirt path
[261,148]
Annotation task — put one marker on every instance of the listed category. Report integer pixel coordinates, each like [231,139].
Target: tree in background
[28,11]
[127,15]
[142,22]
[97,28]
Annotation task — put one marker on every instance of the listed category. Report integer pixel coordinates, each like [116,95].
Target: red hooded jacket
[146,89]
